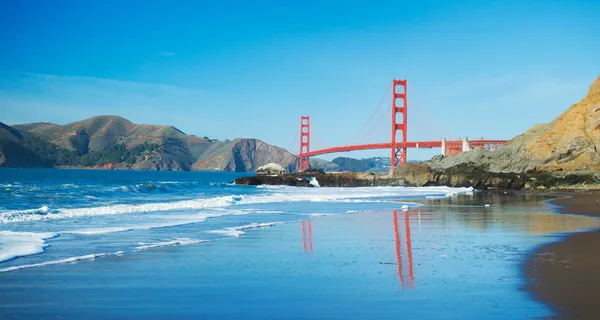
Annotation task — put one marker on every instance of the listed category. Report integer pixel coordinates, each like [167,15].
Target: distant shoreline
[566,274]
[115,169]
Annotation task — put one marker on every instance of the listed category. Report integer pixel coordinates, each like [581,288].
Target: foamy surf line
[176,221]
[231,231]
[20,244]
[62,261]
[238,231]
[285,195]
[176,242]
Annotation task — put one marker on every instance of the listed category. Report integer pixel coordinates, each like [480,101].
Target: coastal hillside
[14,153]
[243,155]
[373,164]
[112,142]
[100,133]
[568,144]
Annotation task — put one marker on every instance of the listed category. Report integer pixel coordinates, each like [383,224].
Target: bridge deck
[388,145]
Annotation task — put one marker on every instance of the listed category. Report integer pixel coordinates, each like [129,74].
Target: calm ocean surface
[124,244]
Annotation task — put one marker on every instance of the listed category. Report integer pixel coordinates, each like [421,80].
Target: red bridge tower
[398,153]
[304,143]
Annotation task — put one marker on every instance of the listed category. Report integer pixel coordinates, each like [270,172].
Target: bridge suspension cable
[323,143]
[423,119]
[378,121]
[294,141]
[372,115]
[427,124]
[421,104]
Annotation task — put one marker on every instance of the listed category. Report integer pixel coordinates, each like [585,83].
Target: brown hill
[570,143]
[243,155]
[117,143]
[100,132]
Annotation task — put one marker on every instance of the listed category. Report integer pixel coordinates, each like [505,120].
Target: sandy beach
[460,253]
[566,274]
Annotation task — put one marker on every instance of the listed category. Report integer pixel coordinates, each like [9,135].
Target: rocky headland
[115,143]
[561,155]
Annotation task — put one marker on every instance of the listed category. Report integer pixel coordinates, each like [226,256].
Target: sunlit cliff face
[571,141]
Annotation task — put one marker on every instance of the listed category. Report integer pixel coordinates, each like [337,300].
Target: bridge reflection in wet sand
[406,281]
[307,242]
[405,272]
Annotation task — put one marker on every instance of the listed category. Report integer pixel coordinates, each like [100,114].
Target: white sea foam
[252,210]
[238,231]
[53,262]
[174,242]
[228,232]
[173,222]
[96,231]
[20,244]
[34,215]
[316,215]
[284,194]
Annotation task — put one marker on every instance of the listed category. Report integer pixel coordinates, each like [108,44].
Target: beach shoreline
[565,275]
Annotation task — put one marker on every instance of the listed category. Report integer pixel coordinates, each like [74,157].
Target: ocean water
[123,244]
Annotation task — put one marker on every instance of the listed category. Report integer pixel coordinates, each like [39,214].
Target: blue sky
[251,69]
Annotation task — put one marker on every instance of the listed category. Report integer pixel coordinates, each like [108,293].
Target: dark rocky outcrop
[420,175]
[341,179]
[464,175]
[292,180]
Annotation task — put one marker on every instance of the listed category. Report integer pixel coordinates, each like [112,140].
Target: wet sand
[456,257]
[566,274]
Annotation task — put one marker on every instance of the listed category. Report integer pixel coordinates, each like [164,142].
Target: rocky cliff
[563,154]
[570,143]
[112,142]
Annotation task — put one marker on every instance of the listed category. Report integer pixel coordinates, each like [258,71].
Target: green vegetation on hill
[115,154]
[52,155]
[117,143]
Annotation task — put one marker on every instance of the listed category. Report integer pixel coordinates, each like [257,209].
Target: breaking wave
[284,195]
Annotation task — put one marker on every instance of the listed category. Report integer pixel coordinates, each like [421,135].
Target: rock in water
[313,182]
[271,169]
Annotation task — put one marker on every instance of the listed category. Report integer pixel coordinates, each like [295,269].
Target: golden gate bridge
[398,143]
